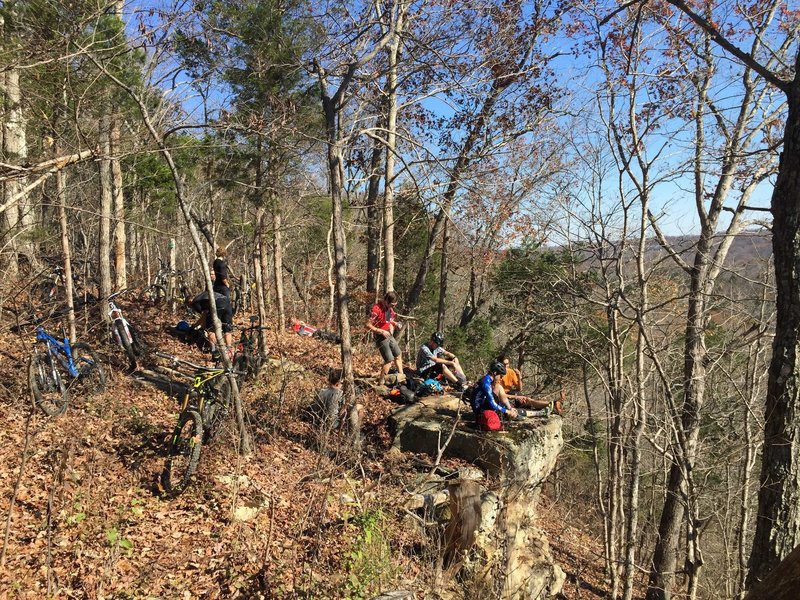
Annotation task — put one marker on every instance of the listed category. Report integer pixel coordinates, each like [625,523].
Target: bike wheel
[127,343]
[46,385]
[153,295]
[184,453]
[91,376]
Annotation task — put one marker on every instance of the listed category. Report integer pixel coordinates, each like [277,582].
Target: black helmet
[497,368]
[438,338]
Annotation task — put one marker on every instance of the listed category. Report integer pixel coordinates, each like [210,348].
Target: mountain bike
[50,357]
[156,292]
[123,333]
[204,408]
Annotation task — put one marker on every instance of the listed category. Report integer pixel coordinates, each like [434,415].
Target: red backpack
[489,420]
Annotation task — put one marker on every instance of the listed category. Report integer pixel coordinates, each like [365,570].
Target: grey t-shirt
[425,357]
[327,405]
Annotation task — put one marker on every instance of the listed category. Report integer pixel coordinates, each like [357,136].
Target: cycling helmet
[497,368]
[438,338]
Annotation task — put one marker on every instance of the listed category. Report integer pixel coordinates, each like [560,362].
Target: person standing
[383,323]
[221,283]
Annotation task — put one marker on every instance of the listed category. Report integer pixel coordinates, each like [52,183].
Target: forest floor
[89,519]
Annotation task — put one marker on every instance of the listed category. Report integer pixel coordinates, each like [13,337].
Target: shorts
[389,349]
[225,314]
[431,372]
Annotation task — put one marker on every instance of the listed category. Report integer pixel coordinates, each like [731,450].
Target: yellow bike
[204,407]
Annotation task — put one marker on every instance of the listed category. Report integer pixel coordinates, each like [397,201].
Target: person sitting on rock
[433,360]
[490,400]
[512,380]
[512,386]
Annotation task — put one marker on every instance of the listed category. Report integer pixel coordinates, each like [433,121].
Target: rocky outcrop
[511,556]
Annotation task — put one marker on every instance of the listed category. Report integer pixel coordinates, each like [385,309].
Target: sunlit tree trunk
[120,239]
[440,319]
[18,216]
[106,204]
[61,198]
[391,149]
[277,259]
[374,224]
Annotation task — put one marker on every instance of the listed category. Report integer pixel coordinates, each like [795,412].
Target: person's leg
[449,375]
[398,355]
[388,358]
[458,371]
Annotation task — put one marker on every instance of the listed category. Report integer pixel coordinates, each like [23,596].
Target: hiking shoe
[215,354]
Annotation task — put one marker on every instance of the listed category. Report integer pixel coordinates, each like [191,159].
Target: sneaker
[215,354]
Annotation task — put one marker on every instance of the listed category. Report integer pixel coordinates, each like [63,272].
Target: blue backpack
[430,386]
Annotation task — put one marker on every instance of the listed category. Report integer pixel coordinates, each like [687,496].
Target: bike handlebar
[115,294]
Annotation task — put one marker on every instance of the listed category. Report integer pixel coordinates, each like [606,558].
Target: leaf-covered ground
[89,519]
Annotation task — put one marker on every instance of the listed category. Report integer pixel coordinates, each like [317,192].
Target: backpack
[428,387]
[488,420]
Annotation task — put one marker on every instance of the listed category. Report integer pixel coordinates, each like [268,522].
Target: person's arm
[486,384]
[373,328]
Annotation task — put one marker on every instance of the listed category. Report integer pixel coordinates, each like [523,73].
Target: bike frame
[59,350]
[115,313]
[201,376]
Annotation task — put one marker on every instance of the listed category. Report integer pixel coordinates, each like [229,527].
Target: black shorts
[431,372]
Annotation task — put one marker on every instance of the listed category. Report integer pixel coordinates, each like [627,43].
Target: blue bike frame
[59,350]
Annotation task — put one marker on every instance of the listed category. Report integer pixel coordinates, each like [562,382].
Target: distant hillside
[749,247]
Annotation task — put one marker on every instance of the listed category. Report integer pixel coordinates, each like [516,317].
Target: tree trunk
[443,278]
[335,169]
[120,241]
[778,521]
[463,160]
[106,203]
[391,148]
[258,246]
[277,260]
[61,198]
[15,151]
[374,225]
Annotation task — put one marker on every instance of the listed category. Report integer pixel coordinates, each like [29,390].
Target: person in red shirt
[382,323]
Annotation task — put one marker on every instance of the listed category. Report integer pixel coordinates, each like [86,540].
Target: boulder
[517,461]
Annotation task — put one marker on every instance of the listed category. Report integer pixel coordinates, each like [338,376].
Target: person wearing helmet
[512,386]
[433,360]
[490,399]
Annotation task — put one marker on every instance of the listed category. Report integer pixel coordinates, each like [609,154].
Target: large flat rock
[524,454]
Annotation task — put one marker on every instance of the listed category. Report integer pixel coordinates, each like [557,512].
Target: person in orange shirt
[512,385]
